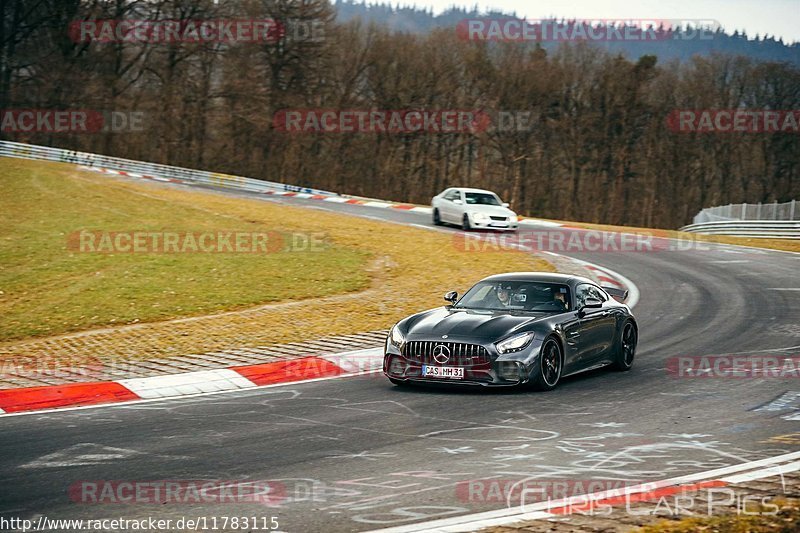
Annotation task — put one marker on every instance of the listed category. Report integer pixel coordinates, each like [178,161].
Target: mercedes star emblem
[441,354]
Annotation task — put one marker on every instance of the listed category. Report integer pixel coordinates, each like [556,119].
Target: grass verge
[783,516]
[369,274]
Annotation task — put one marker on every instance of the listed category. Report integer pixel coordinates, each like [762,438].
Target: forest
[597,144]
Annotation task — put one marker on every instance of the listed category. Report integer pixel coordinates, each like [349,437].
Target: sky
[778,18]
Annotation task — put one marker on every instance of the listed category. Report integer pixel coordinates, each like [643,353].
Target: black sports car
[512,329]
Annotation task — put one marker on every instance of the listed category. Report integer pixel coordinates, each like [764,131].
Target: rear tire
[626,349]
[465,225]
[549,367]
[437,219]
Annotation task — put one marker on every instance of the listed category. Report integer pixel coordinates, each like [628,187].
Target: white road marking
[761,474]
[84,454]
[538,222]
[473,522]
[376,204]
[367,360]
[784,289]
[187,383]
[336,199]
[180,397]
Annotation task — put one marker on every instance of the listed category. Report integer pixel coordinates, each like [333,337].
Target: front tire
[626,349]
[437,219]
[465,225]
[551,362]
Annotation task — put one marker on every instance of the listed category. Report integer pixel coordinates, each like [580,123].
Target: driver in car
[561,299]
[500,297]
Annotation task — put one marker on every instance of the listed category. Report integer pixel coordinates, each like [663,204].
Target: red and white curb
[201,382]
[557,509]
[366,202]
[612,278]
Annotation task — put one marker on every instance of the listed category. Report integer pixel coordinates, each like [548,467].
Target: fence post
[758,212]
[791,210]
[744,211]
[775,210]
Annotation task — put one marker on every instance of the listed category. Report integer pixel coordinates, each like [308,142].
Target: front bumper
[494,225]
[495,373]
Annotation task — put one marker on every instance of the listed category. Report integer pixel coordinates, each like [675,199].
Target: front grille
[503,219]
[461,354]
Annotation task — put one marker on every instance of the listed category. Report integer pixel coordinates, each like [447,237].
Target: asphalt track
[357,453]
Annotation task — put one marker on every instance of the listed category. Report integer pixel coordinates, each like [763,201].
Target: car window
[581,293]
[481,198]
[453,195]
[584,291]
[601,294]
[517,296]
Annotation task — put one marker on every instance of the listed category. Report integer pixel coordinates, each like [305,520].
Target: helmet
[503,287]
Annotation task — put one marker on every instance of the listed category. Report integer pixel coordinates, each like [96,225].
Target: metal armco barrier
[203,177]
[771,211]
[767,229]
[776,229]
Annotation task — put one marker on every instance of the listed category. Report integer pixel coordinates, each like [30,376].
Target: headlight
[480,217]
[513,218]
[515,343]
[395,337]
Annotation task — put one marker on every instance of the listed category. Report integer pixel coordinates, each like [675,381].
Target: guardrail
[766,229]
[203,177]
[759,211]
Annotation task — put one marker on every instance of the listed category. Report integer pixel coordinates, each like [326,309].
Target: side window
[597,293]
[581,293]
[453,195]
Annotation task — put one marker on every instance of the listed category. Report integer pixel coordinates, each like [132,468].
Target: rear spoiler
[618,294]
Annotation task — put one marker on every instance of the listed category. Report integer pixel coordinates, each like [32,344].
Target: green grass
[46,288]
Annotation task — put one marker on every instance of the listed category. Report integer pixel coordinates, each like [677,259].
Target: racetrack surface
[357,453]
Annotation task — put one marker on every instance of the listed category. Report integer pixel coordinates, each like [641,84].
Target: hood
[493,325]
[496,210]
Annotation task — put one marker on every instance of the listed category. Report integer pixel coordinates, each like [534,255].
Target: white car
[473,209]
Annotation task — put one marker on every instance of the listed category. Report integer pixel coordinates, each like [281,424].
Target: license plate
[449,372]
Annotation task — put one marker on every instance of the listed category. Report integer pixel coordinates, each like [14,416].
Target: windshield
[481,198]
[517,296]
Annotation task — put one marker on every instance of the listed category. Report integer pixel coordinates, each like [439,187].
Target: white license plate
[451,372]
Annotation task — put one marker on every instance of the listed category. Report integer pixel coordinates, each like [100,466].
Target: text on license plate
[452,372]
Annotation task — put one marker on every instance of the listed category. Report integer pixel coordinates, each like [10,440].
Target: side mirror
[506,204]
[590,303]
[451,297]
[457,202]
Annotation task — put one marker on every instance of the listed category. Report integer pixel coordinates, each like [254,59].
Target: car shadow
[433,388]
